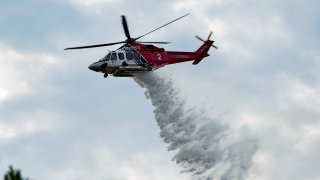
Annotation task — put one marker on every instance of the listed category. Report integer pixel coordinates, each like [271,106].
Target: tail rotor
[207,39]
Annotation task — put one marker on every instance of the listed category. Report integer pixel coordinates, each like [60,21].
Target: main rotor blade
[200,38]
[210,35]
[214,46]
[93,46]
[125,27]
[153,42]
[162,26]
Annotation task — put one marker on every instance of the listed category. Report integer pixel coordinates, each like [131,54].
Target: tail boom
[196,56]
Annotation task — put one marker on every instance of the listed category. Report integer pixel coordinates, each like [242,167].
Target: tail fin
[203,50]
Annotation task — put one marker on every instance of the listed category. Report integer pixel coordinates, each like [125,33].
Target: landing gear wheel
[105,75]
[149,68]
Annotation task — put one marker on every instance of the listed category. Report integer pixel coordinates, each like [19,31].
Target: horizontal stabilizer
[196,61]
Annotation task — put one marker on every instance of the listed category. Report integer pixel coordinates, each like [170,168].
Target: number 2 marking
[159,57]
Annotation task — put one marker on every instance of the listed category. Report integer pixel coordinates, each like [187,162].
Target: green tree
[13,174]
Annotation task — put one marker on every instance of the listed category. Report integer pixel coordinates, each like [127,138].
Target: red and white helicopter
[136,56]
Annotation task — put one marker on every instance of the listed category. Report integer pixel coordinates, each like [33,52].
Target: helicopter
[138,56]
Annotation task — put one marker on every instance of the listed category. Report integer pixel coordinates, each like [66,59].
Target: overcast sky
[59,120]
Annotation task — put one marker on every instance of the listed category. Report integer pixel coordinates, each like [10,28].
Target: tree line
[13,174]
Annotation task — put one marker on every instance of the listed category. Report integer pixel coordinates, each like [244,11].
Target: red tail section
[203,51]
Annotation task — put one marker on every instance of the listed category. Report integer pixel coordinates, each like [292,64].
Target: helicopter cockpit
[115,56]
[106,58]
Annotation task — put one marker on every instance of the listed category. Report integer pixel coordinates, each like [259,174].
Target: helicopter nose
[93,67]
[98,66]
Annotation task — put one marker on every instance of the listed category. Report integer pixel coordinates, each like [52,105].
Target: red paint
[159,57]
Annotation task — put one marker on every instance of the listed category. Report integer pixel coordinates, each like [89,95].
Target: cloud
[104,162]
[89,4]
[20,72]
[36,123]
[93,6]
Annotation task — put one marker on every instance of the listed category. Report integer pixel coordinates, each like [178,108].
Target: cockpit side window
[121,56]
[129,56]
[113,56]
[107,57]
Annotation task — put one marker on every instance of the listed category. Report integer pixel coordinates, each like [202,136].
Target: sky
[59,120]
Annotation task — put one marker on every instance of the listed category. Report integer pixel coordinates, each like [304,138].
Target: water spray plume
[204,146]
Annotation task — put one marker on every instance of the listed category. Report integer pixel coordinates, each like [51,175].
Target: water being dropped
[204,146]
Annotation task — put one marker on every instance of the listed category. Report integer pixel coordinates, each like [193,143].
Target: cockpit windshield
[106,58]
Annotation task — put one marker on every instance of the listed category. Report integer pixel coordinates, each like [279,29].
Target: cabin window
[129,56]
[113,56]
[121,56]
[136,56]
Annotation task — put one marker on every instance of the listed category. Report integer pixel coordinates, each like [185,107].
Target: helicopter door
[137,58]
[121,56]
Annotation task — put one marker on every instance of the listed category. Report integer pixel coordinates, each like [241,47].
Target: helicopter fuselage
[135,57]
